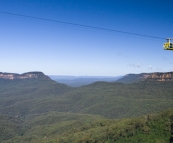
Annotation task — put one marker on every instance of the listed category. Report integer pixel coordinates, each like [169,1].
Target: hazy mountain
[77,81]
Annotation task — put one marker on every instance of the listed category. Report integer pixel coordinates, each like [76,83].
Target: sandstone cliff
[157,76]
[160,76]
[28,75]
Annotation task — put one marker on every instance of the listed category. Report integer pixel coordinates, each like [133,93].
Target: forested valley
[42,110]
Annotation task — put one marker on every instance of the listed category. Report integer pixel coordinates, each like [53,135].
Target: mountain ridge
[155,76]
[27,75]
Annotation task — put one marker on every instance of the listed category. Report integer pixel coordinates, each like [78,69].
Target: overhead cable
[81,25]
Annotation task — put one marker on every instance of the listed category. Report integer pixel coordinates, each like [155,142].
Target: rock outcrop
[157,76]
[160,76]
[28,75]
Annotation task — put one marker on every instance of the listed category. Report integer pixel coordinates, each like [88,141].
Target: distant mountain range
[77,81]
[129,78]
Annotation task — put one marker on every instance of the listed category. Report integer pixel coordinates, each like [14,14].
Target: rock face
[28,75]
[158,76]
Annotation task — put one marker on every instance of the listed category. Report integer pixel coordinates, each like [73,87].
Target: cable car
[168,45]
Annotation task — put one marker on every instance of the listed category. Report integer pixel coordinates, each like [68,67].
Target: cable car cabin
[168,45]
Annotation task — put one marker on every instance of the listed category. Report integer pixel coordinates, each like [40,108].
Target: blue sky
[28,44]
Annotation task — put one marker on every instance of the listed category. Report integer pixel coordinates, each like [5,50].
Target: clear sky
[28,44]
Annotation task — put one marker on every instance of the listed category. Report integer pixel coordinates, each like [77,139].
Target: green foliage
[111,100]
[150,129]
[77,128]
[44,111]
[9,127]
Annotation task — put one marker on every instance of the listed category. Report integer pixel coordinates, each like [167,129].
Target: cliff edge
[156,76]
[28,75]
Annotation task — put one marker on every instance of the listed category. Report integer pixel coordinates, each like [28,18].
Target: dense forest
[37,110]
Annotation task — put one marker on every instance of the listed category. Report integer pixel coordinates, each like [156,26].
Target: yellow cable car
[168,45]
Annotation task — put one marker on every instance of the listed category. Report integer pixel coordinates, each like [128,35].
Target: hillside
[77,128]
[117,100]
[153,128]
[111,100]
[20,96]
